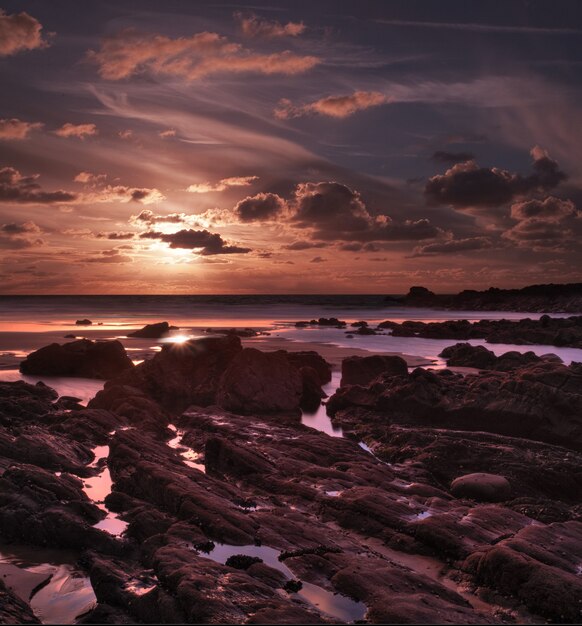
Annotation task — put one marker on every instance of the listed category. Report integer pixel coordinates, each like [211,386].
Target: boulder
[177,376]
[310,358]
[466,355]
[152,331]
[84,322]
[357,370]
[82,358]
[482,487]
[260,382]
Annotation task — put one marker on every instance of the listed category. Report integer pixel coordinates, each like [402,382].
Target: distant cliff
[549,298]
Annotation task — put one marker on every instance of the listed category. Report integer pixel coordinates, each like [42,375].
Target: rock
[238,332]
[260,382]
[540,401]
[361,324]
[152,331]
[310,358]
[420,296]
[466,355]
[176,377]
[82,358]
[364,330]
[312,393]
[13,610]
[22,402]
[482,487]
[540,565]
[84,322]
[358,370]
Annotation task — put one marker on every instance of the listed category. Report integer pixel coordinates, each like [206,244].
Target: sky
[289,147]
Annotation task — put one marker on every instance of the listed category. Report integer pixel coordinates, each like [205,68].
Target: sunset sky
[289,147]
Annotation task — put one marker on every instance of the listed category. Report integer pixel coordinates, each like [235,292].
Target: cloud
[359,247]
[206,243]
[333,106]
[467,184]
[17,236]
[14,187]
[484,28]
[306,245]
[80,131]
[203,54]
[15,129]
[225,183]
[551,209]
[169,132]
[538,233]
[149,217]
[254,26]
[442,156]
[109,256]
[262,207]
[19,32]
[542,223]
[318,259]
[453,246]
[96,190]
[334,211]
[125,134]
[115,236]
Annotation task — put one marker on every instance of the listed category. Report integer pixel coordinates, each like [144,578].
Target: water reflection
[320,420]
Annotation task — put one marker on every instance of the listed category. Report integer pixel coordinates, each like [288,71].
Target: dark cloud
[359,247]
[453,246]
[542,223]
[452,157]
[115,236]
[551,209]
[14,187]
[17,236]
[318,259]
[467,184]
[149,217]
[207,243]
[334,211]
[306,245]
[262,207]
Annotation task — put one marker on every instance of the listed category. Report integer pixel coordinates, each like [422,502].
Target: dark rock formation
[357,370]
[543,298]
[153,331]
[216,370]
[82,358]
[466,355]
[260,382]
[84,322]
[541,401]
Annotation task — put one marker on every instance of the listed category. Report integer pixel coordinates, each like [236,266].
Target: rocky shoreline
[453,498]
[552,298]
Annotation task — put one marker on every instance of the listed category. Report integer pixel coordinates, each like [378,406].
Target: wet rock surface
[541,401]
[82,358]
[457,509]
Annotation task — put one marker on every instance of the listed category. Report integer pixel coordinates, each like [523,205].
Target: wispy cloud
[340,107]
[203,54]
[484,28]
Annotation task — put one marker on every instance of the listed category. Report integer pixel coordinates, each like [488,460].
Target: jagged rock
[260,382]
